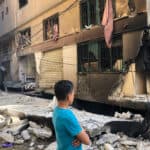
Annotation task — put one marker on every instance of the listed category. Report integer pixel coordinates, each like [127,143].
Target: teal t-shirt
[67,128]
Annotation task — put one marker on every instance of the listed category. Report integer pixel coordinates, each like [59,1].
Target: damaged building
[64,39]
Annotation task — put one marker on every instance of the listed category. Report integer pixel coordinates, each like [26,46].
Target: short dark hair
[62,89]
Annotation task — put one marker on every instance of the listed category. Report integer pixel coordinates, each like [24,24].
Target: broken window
[92,12]
[94,56]
[24,38]
[22,3]
[51,28]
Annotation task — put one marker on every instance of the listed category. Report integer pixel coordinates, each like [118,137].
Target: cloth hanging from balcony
[107,22]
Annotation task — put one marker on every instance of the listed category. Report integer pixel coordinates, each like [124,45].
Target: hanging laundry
[107,22]
[55,32]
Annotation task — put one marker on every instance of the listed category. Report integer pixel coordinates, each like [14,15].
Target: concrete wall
[9,22]
[14,64]
[69,21]
[131,44]
[34,8]
[70,63]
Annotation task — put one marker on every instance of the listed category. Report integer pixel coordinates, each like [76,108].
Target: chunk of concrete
[108,147]
[41,133]
[2,121]
[25,134]
[7,137]
[15,130]
[51,146]
[40,147]
[107,138]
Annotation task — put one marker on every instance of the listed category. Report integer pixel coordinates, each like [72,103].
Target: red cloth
[107,22]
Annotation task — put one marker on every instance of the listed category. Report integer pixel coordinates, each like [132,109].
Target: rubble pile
[15,131]
[23,126]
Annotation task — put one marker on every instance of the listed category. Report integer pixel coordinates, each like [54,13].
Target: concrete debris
[34,125]
[25,134]
[32,144]
[123,115]
[108,138]
[129,143]
[19,142]
[108,147]
[7,137]
[41,133]
[40,147]
[15,130]
[128,115]
[31,148]
[2,121]
[33,131]
[92,127]
[51,146]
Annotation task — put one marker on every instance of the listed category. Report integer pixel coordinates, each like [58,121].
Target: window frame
[99,10]
[56,15]
[100,69]
[22,32]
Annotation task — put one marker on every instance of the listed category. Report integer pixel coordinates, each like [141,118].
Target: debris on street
[25,123]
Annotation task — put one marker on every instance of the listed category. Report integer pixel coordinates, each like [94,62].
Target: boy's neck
[63,104]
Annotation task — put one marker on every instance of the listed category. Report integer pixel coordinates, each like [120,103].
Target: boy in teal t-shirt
[69,134]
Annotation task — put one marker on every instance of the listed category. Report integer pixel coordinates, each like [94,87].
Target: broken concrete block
[107,138]
[92,127]
[34,125]
[140,146]
[32,144]
[31,148]
[25,134]
[7,137]
[40,147]
[128,143]
[108,147]
[2,121]
[15,130]
[41,133]
[19,142]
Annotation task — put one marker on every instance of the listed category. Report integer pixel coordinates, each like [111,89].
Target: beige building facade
[63,39]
